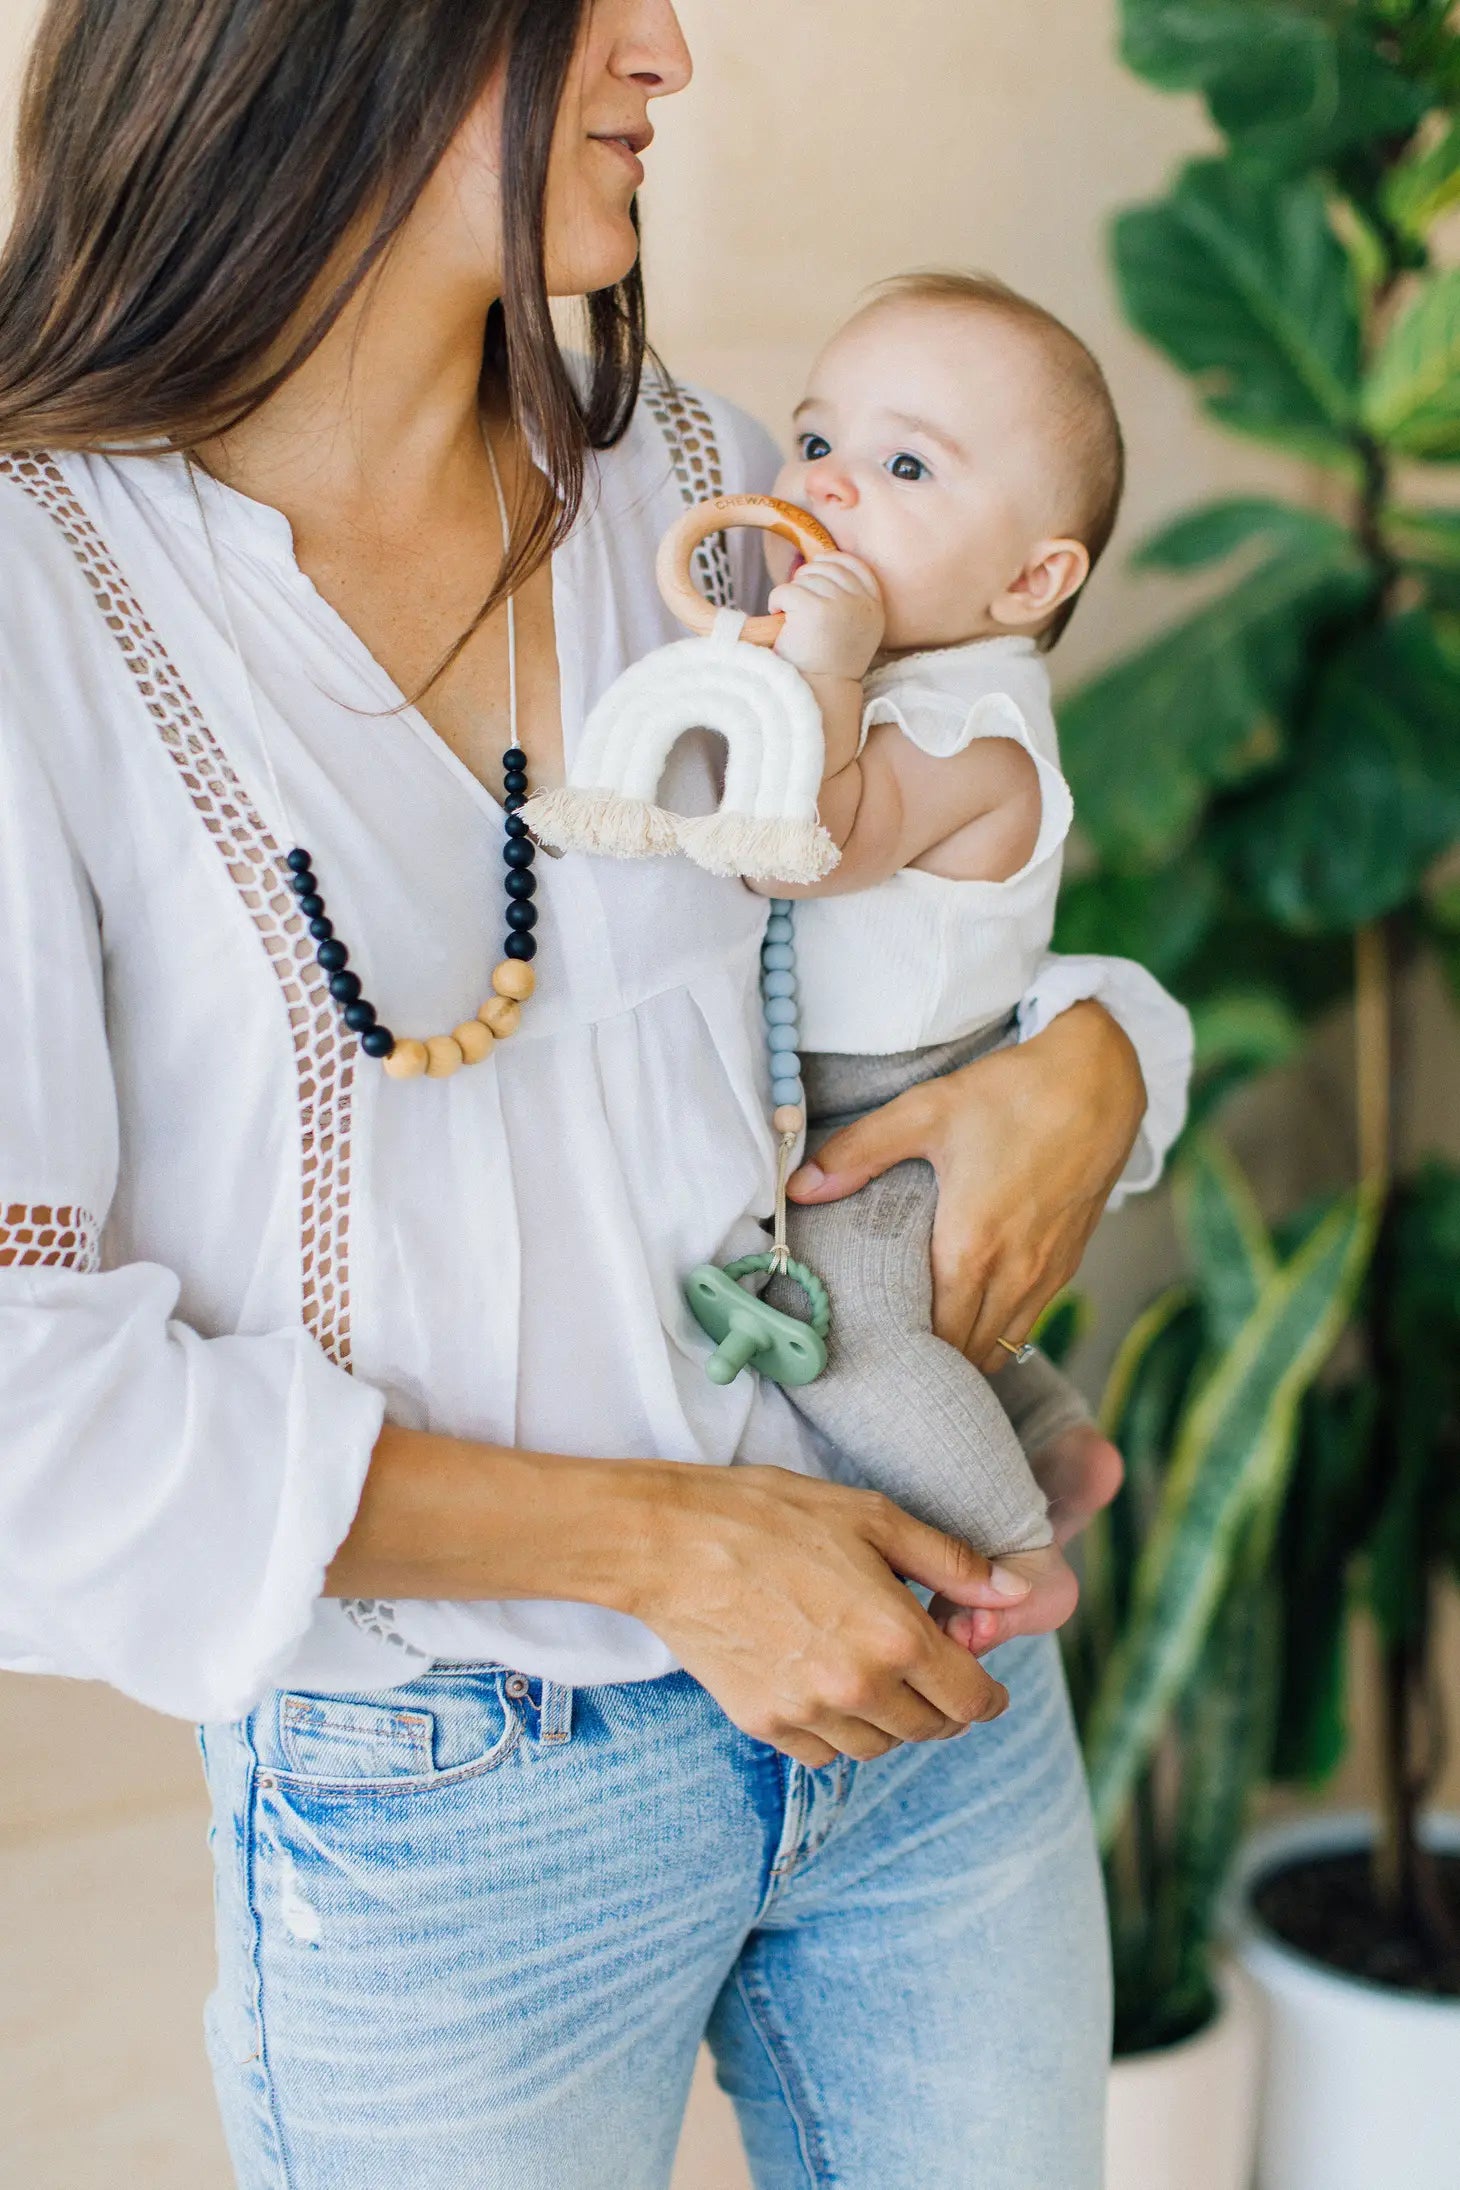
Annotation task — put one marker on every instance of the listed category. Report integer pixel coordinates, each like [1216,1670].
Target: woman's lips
[623,150]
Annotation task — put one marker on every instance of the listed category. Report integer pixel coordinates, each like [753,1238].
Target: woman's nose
[651,49]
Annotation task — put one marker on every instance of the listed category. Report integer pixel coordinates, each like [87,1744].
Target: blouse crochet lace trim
[323,1051]
[34,1236]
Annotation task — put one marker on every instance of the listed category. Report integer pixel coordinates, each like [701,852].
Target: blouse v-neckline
[264,534]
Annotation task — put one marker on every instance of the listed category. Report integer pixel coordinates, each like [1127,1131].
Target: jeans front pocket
[332,1744]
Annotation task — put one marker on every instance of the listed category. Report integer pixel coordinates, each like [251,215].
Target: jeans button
[517,1685]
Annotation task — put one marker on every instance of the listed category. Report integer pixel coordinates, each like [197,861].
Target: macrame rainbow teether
[766,825]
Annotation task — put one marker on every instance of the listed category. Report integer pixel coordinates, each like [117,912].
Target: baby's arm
[973,816]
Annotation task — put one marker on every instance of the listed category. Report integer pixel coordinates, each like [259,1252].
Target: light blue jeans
[471,1931]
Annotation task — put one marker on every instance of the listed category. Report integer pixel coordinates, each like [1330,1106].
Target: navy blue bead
[519,851]
[303,882]
[521,915]
[514,781]
[359,1018]
[377,1041]
[522,946]
[514,757]
[332,956]
[515,825]
[521,882]
[312,906]
[298,860]
[513,801]
[320,928]
[344,987]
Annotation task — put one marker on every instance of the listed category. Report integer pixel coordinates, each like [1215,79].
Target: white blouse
[924,958]
[235,1245]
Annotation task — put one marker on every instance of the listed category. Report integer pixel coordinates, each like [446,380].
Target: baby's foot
[1079,1472]
[1053,1592]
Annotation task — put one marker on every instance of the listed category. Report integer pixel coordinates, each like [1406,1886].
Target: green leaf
[1412,396]
[1225,1734]
[1420,1432]
[1372,793]
[1288,85]
[1244,1031]
[1216,530]
[1144,1393]
[1147,742]
[1062,1325]
[1426,542]
[1326,1514]
[1231,1463]
[1158,919]
[1226,1239]
[1246,286]
[1419,189]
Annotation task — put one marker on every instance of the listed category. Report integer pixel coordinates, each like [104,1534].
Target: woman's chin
[598,259]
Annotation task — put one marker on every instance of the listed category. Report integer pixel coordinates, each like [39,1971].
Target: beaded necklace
[436,1056]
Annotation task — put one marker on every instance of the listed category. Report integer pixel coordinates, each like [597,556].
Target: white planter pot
[1361,2083]
[1185,2118]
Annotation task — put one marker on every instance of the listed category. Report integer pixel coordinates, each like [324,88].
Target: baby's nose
[831,483]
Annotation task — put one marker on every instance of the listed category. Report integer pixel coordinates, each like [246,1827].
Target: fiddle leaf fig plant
[1270,797]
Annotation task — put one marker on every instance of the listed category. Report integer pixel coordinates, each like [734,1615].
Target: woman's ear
[1053,574]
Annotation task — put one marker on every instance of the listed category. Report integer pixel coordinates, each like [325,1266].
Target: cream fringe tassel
[771,851]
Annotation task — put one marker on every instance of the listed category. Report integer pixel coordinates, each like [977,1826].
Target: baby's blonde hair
[1089,426]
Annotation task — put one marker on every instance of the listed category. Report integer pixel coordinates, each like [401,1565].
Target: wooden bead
[501,1015]
[444,1056]
[513,978]
[473,1040]
[408,1060]
[789,1118]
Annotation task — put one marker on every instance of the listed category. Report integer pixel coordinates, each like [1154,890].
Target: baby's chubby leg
[905,1413]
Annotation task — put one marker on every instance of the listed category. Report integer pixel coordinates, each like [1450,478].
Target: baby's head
[961,441]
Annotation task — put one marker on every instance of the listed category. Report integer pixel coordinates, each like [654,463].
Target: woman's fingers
[846,1160]
[782,1596]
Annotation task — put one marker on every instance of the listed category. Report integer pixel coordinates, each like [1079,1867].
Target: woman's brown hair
[189,169]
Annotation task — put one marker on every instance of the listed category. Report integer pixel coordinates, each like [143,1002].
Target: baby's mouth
[798,562]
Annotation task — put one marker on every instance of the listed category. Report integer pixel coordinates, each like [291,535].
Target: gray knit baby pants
[904,1412]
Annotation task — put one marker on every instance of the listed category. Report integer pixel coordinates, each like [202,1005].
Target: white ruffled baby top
[921,958]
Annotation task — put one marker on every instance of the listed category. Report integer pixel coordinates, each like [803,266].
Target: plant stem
[1374,1055]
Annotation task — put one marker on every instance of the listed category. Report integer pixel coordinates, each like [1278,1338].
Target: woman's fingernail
[807,1179]
[1007,1584]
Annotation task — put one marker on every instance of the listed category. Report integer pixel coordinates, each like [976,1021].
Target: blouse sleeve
[1160,1032]
[168,1502]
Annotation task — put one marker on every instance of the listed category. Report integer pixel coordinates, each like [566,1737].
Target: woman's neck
[380,428]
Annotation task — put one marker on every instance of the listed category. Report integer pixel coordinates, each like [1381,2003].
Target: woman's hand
[780,1594]
[1027,1144]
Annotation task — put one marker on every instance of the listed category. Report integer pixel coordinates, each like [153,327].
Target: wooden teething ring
[759,511]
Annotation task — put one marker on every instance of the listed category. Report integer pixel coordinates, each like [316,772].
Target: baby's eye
[904,466]
[813,447]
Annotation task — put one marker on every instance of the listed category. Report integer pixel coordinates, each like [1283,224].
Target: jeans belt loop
[555,1719]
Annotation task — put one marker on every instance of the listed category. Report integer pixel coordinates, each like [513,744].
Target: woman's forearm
[780,1594]
[445,1517]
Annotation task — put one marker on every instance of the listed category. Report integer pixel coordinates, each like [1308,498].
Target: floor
[105,1951]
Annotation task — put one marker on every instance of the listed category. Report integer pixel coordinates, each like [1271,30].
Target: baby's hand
[1053,1593]
[834,618]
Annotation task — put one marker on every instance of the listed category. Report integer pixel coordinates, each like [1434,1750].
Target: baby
[960,446]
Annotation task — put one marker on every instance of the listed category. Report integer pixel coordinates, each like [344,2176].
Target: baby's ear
[1053,573]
